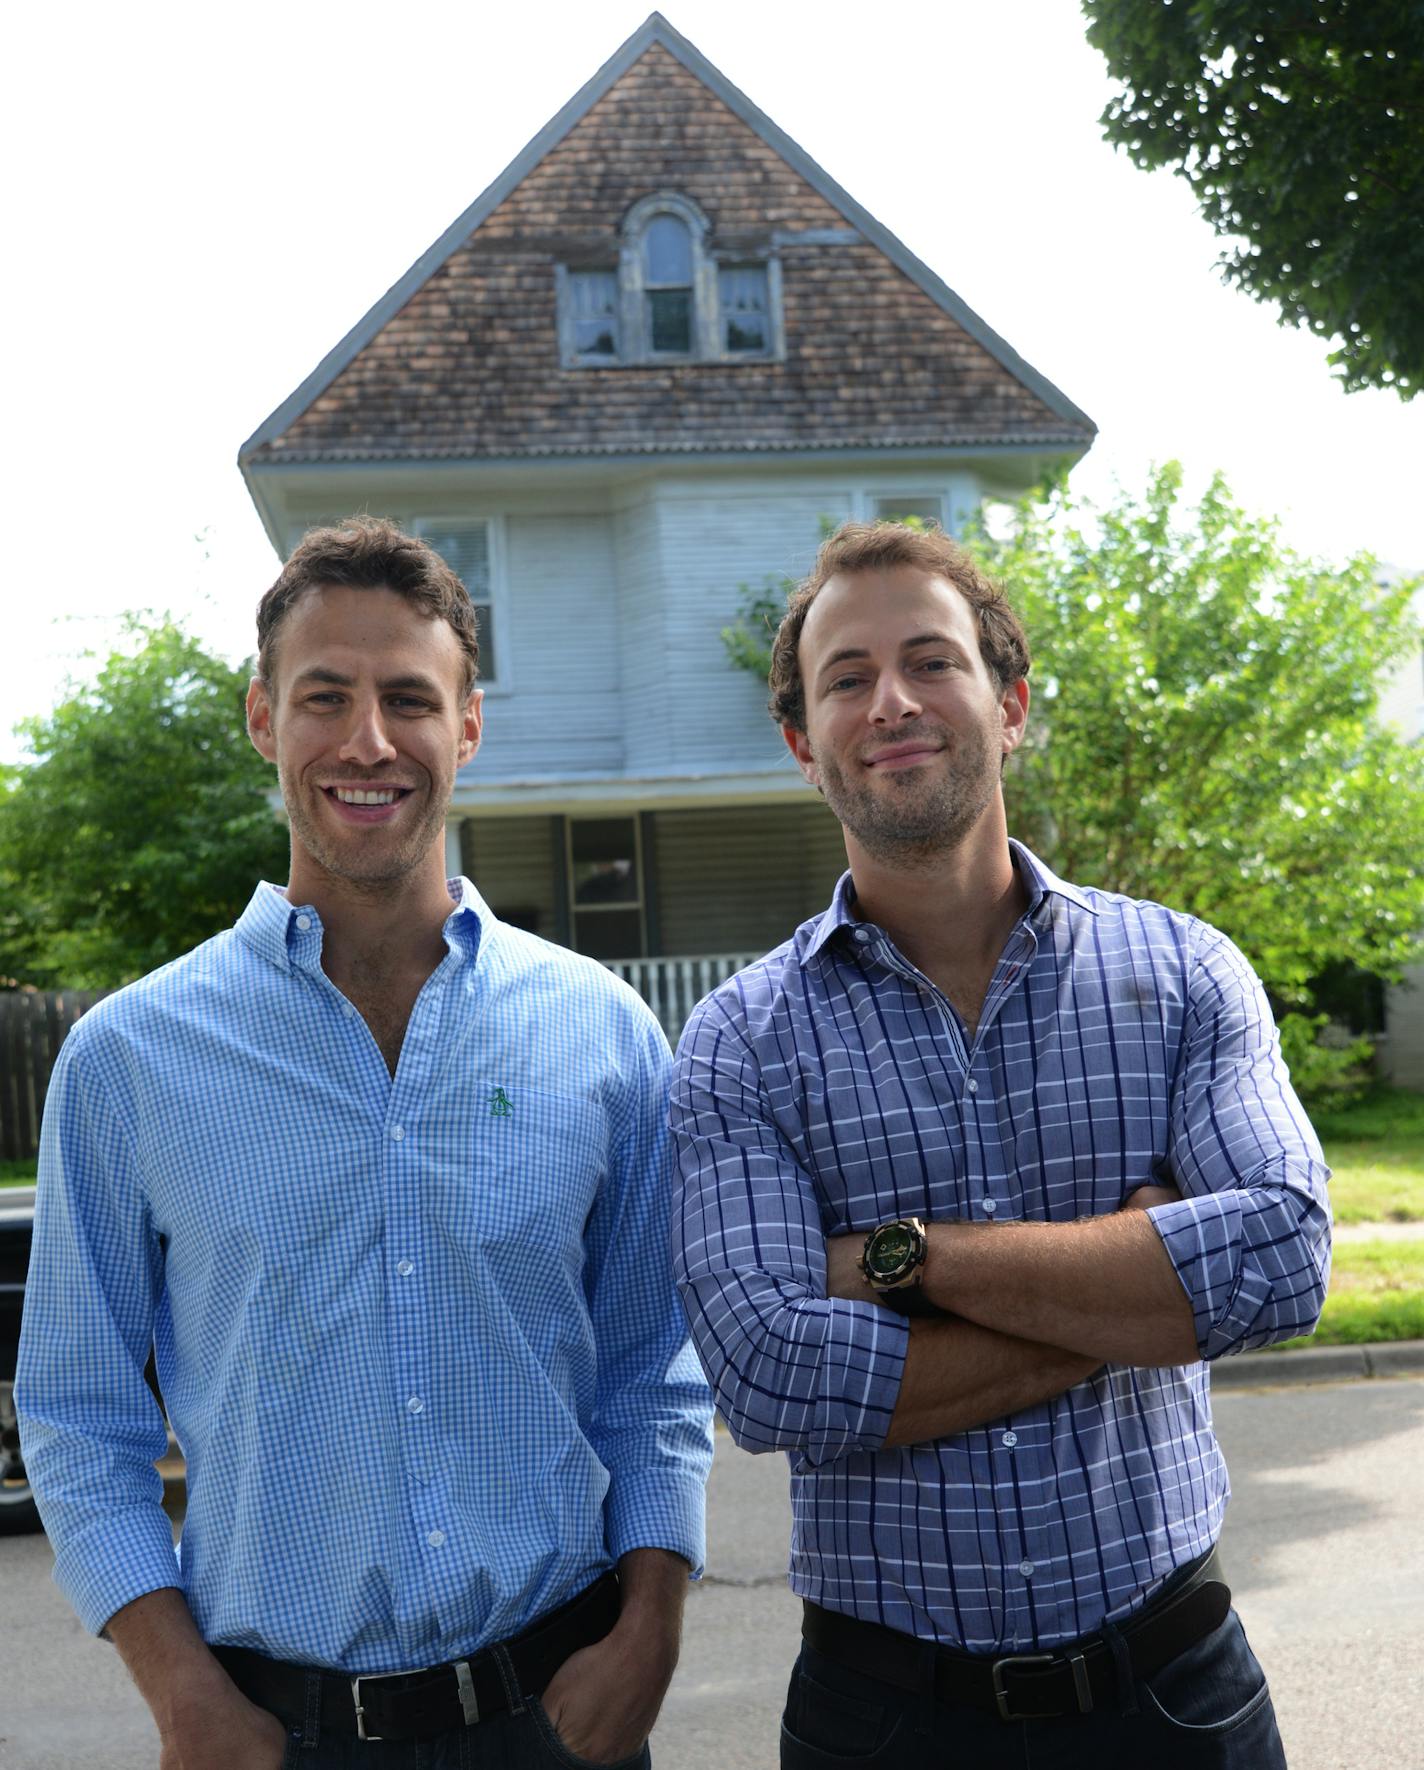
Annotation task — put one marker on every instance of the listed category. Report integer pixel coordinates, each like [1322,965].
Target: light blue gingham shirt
[417,1336]
[831,1086]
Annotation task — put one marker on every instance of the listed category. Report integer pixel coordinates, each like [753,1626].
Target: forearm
[653,1585]
[203,1719]
[959,1375]
[1104,1287]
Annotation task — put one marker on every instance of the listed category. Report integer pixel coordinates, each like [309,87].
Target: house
[636,374]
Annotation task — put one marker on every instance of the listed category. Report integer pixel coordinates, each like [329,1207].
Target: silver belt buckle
[361,1732]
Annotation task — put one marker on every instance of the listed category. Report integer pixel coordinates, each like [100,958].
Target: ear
[472,725]
[800,747]
[259,719]
[1014,707]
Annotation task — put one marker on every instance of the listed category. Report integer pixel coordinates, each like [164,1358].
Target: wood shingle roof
[461,360]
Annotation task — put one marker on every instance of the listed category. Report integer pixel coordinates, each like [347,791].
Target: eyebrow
[387,684]
[851,653]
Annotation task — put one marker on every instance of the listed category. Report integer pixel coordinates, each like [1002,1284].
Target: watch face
[889,1251]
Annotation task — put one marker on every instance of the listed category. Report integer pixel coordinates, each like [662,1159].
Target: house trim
[655,30]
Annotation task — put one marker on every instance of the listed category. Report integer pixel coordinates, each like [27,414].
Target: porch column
[454,862]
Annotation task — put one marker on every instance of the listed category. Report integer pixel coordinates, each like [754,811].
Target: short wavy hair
[369,553]
[877,546]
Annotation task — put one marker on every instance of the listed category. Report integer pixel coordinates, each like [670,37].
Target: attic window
[667,284]
[593,297]
[745,309]
[673,296]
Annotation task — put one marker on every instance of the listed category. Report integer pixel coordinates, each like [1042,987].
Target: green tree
[1204,733]
[140,823]
[1300,128]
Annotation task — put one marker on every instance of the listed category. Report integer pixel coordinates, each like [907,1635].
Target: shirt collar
[1039,881]
[288,934]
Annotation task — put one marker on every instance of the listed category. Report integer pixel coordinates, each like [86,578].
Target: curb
[1320,1364]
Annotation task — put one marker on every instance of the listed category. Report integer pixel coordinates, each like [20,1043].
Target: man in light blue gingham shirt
[384,1183]
[1070,1109]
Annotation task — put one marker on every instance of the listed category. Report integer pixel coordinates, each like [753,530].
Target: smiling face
[367,724]
[906,730]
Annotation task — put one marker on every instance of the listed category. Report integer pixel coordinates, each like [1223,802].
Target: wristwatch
[893,1263]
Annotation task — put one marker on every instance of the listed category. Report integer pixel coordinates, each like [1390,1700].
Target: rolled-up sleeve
[1250,1238]
[90,1428]
[652,1425]
[790,1369]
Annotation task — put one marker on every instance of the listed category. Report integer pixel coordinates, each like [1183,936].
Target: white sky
[203,199]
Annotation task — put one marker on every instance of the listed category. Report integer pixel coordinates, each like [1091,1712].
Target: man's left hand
[603,1700]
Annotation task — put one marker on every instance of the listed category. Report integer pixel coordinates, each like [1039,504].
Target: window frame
[497,601]
[640,906]
[707,331]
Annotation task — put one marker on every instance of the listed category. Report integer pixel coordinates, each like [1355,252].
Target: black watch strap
[909,1300]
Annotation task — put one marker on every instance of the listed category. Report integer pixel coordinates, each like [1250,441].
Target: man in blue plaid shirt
[383,1183]
[975,1174]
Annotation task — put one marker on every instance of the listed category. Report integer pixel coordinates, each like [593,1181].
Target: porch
[672,898]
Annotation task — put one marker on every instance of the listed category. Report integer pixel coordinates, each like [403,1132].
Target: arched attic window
[673,296]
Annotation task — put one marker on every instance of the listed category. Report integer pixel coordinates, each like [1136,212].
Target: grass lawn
[1376,1293]
[17,1173]
[1376,1150]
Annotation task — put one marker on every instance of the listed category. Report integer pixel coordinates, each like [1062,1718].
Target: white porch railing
[672,988]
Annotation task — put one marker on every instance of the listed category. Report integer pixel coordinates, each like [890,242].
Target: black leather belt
[435,1699]
[1033,1686]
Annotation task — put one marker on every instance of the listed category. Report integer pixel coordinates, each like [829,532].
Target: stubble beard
[915,815]
[370,865]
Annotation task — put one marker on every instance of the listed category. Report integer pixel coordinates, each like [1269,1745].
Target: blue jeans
[523,1739]
[1208,1710]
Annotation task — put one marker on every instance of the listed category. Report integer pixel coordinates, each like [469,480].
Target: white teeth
[355,796]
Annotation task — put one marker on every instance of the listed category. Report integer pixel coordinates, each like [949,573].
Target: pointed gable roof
[460,359]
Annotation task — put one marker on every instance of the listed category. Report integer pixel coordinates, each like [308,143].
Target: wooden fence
[32,1028]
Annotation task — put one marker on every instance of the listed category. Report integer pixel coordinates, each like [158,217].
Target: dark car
[17,1219]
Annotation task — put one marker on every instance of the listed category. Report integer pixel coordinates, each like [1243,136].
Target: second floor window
[464,544]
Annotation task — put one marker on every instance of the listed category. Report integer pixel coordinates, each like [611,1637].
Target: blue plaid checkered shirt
[831,1086]
[417,1336]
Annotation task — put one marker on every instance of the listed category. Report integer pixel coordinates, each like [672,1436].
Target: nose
[366,741]
[893,700]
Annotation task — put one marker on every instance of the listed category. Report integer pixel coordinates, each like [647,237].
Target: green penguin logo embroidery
[500,1106]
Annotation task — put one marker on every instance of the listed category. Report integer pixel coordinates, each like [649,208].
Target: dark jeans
[1208,1710]
[523,1740]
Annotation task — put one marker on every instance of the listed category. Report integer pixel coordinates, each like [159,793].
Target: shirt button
[973,1086]
[350,1011]
[435,1538]
[304,922]
[1011,1439]
[397,1132]
[405,1268]
[1026,1568]
[862,935]
[416,1405]
[988,1206]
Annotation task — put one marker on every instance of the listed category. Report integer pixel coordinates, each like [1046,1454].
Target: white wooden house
[634,376]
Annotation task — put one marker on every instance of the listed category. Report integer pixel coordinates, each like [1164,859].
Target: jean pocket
[1215,1687]
[823,1725]
[561,1754]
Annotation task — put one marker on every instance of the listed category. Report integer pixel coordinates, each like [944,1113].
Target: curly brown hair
[369,553]
[876,546]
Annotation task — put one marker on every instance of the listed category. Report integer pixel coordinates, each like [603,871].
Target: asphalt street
[1323,1548]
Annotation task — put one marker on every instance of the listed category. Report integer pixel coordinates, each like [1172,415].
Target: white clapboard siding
[561,653]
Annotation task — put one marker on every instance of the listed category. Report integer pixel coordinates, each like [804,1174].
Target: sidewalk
[1319,1364]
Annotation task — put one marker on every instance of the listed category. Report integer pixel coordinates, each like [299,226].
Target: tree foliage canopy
[142,822]
[1204,730]
[1299,125]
